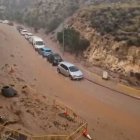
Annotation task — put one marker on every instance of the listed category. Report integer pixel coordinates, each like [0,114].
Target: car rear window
[47,50]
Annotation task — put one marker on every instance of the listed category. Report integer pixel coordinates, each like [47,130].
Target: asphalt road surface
[110,116]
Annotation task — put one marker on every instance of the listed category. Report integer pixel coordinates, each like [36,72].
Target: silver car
[23,32]
[69,70]
[28,35]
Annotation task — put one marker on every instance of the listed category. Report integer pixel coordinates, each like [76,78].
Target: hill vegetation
[48,14]
[114,1]
[122,22]
[113,31]
[9,9]
[74,43]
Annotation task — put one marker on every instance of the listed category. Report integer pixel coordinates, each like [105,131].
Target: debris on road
[105,75]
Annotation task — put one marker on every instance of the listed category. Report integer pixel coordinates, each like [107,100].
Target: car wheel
[58,70]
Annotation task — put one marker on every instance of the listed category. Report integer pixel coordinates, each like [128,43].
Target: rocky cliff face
[16,3]
[105,51]
[48,14]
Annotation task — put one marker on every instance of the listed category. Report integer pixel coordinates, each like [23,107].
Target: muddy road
[110,116]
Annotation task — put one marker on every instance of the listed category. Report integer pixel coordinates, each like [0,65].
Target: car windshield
[73,69]
[39,43]
[47,50]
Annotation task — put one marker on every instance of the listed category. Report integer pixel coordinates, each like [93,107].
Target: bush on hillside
[73,41]
[122,23]
[18,16]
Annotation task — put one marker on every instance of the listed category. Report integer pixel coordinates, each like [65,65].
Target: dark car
[55,59]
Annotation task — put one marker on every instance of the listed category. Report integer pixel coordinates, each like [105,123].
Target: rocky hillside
[10,8]
[48,14]
[113,1]
[16,3]
[114,34]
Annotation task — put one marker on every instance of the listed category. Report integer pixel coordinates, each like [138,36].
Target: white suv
[70,70]
[38,42]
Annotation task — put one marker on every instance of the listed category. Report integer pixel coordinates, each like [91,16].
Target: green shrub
[73,41]
[137,75]
[18,16]
[133,40]
[122,22]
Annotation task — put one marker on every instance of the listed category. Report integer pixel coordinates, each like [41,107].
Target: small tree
[60,37]
[18,16]
[73,41]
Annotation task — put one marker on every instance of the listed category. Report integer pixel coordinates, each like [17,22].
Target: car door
[63,69]
[66,70]
[51,58]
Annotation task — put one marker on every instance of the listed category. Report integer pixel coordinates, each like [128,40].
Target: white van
[38,42]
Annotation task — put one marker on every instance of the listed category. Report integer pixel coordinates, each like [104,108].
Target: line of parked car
[63,67]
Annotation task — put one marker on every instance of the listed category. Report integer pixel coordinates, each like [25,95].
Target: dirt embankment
[30,112]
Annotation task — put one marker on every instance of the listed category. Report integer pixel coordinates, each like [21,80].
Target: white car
[23,32]
[5,21]
[28,35]
[70,70]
